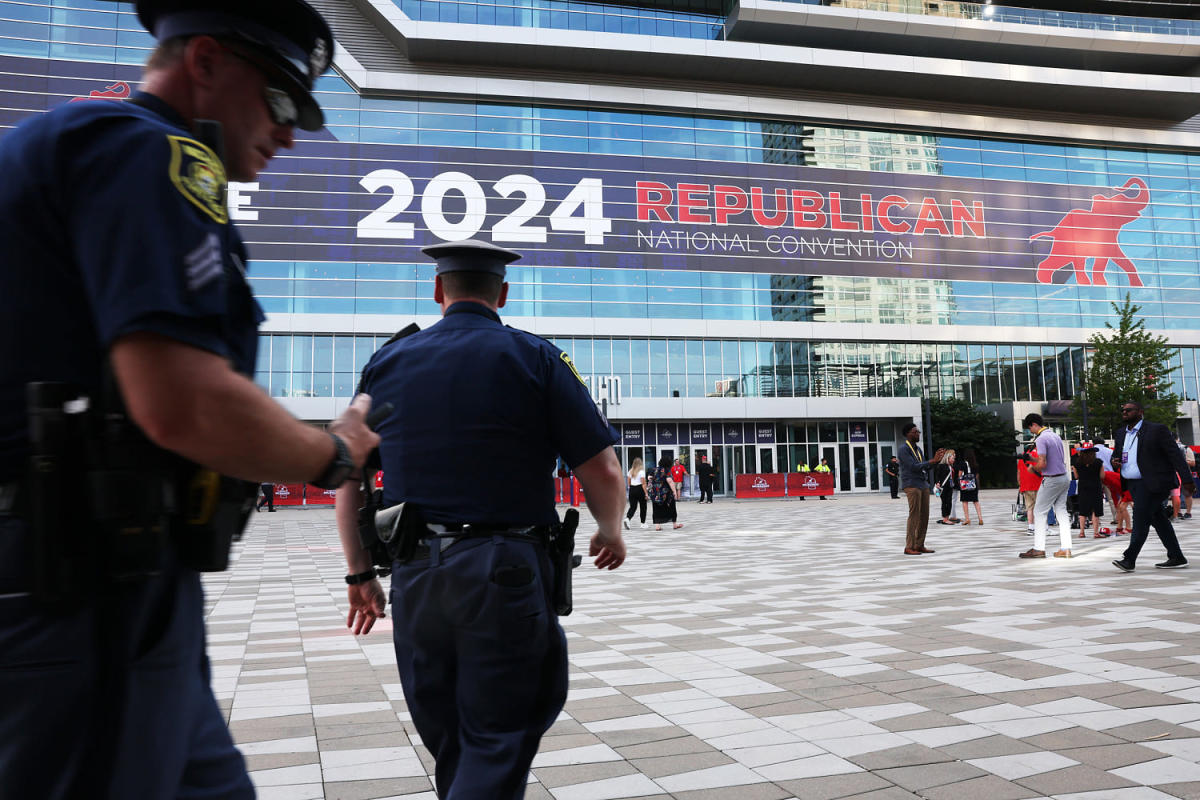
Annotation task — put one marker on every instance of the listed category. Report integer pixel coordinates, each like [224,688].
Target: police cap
[292,39]
[470,256]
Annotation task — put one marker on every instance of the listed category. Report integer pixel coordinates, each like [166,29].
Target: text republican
[716,204]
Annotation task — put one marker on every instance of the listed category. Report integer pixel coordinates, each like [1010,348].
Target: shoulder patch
[566,359]
[198,175]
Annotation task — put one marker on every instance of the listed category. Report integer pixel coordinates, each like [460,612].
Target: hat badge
[318,59]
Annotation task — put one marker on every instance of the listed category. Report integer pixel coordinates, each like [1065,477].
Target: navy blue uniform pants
[483,661]
[1148,510]
[110,700]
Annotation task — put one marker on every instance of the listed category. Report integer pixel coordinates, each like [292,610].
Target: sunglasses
[280,105]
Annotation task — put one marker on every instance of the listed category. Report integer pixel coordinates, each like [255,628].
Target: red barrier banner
[809,484]
[289,494]
[316,496]
[769,484]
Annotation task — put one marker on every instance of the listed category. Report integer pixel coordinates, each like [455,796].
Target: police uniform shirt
[482,412]
[115,223]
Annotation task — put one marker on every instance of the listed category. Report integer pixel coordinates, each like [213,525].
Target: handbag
[967,482]
[940,485]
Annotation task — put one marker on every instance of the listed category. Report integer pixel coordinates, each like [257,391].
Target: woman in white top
[637,491]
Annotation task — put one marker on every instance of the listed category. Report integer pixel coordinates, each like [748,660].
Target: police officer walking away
[124,302]
[482,658]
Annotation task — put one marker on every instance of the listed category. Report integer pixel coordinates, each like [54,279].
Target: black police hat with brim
[292,42]
[470,255]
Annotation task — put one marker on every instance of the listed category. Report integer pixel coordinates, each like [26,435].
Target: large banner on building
[328,200]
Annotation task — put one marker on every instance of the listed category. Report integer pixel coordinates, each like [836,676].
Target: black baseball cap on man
[288,39]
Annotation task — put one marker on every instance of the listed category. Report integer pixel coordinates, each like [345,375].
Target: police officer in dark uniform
[122,285]
[483,410]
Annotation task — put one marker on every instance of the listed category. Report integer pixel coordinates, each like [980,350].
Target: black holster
[389,534]
[135,497]
[561,548]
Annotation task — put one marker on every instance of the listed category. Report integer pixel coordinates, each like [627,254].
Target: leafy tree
[958,425]
[1128,363]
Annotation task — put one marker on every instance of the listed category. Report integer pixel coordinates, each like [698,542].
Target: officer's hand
[367,603]
[351,426]
[609,550]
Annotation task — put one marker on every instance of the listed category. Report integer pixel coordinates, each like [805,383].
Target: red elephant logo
[114,91]
[1092,233]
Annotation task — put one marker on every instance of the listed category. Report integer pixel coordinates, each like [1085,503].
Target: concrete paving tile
[989,787]
[1109,757]
[835,787]
[987,747]
[916,778]
[267,761]
[1165,770]
[372,740]
[760,791]
[1151,730]
[890,793]
[1187,791]
[1074,779]
[553,777]
[674,746]
[671,765]
[1071,737]
[905,756]
[372,789]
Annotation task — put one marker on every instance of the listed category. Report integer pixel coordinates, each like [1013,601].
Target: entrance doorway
[860,469]
[766,459]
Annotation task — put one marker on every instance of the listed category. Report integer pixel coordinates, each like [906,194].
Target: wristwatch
[339,469]
[362,577]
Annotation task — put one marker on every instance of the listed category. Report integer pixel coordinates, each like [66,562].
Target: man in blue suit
[1151,466]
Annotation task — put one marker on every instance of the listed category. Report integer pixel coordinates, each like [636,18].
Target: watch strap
[361,577]
[339,469]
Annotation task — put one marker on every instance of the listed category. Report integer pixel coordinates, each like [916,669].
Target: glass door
[860,468]
[829,453]
[766,459]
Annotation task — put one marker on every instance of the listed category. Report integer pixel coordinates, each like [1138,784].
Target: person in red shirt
[677,473]
[1121,500]
[1029,482]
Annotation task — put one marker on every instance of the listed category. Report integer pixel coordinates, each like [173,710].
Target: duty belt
[443,537]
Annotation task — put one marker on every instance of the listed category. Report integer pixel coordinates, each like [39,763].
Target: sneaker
[1173,563]
[1031,553]
[625,522]
[1123,565]
[645,525]
[1188,515]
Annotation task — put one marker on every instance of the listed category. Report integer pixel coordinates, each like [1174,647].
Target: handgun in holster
[134,496]
[561,549]
[387,534]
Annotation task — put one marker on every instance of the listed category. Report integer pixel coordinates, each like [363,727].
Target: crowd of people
[1147,478]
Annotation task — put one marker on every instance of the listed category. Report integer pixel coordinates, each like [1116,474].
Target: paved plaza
[769,649]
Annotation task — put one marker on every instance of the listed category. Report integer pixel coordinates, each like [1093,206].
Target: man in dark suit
[1151,466]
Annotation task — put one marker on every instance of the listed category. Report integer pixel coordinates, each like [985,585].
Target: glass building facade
[54,51]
